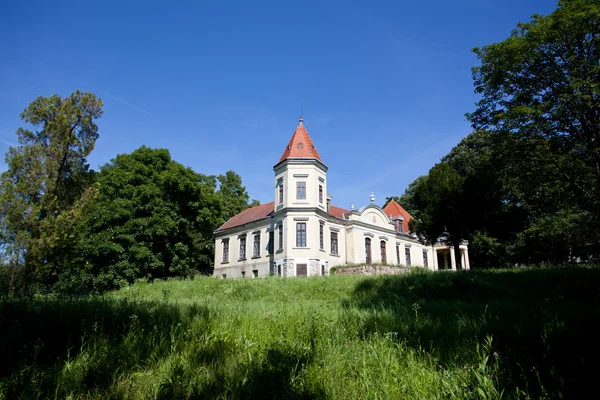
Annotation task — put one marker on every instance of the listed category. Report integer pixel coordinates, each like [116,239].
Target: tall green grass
[497,334]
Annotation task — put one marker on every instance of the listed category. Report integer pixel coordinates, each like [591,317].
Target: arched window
[368,250]
[383,252]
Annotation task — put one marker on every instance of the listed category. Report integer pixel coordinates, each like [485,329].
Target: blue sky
[219,83]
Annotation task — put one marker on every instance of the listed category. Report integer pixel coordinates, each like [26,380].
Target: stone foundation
[289,268]
[370,270]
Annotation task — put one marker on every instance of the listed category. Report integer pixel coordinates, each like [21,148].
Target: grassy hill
[518,333]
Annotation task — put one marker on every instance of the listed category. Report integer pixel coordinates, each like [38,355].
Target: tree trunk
[12,278]
[457,255]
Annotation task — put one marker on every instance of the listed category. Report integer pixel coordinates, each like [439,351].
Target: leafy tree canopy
[407,198]
[153,218]
[542,86]
[45,185]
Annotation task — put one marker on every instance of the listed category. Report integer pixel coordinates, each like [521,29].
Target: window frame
[256,245]
[332,241]
[281,193]
[407,256]
[368,251]
[225,244]
[301,234]
[425,259]
[383,251]
[243,244]
[280,235]
[321,194]
[321,236]
[300,190]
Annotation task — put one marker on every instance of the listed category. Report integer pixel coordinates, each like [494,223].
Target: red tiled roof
[337,212]
[263,211]
[249,215]
[300,145]
[394,209]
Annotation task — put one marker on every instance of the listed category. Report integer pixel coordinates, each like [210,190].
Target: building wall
[369,221]
[289,173]
[235,265]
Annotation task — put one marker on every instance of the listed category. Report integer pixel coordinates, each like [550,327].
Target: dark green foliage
[442,203]
[234,196]
[45,186]
[530,171]
[540,93]
[407,198]
[152,218]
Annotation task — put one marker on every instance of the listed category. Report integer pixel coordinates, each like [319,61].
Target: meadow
[522,333]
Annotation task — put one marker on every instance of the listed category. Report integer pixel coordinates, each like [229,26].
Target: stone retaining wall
[370,270]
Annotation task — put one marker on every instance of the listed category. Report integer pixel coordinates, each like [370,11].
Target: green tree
[153,218]
[233,194]
[407,198]
[542,87]
[45,185]
[442,207]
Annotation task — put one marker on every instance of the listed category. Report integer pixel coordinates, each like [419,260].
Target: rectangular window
[321,194]
[334,243]
[280,234]
[321,241]
[383,252]
[271,240]
[243,274]
[243,248]
[281,193]
[301,269]
[425,260]
[256,248]
[398,254]
[301,190]
[226,250]
[407,254]
[301,234]
[224,276]
[255,273]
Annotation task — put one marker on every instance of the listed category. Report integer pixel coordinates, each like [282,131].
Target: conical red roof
[300,145]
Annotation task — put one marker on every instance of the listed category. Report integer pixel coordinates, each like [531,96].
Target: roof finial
[301,112]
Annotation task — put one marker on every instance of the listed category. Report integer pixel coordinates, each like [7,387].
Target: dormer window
[300,145]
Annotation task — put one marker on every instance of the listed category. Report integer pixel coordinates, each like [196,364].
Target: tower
[300,203]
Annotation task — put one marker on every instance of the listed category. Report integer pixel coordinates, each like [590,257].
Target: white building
[301,234]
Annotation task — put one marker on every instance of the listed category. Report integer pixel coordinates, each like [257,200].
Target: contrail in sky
[106,94]
[115,97]
[8,142]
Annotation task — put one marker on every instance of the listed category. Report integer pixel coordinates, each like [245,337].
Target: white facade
[303,235]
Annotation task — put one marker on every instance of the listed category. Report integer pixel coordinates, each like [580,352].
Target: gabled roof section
[249,215]
[338,212]
[395,210]
[300,145]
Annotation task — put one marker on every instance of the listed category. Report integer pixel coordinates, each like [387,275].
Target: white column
[467,265]
[452,259]
[434,262]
